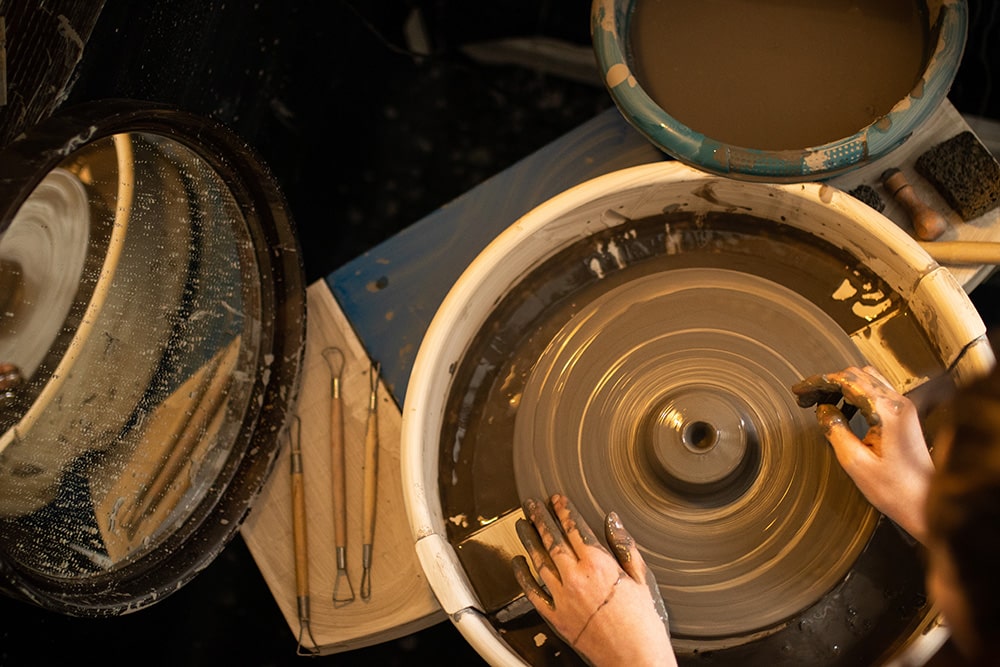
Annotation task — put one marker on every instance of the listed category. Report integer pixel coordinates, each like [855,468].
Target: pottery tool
[370,481]
[299,538]
[927,223]
[343,592]
[489,551]
[964,172]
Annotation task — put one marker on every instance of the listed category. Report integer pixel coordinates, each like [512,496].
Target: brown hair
[963,507]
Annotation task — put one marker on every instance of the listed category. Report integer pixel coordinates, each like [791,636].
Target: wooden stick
[299,523]
[963,252]
[335,359]
[299,537]
[371,479]
[339,475]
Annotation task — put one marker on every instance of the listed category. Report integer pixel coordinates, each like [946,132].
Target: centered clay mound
[667,400]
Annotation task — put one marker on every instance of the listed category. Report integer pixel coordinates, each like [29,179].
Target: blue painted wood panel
[390,294]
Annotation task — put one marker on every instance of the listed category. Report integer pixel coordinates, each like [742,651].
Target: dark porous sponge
[868,195]
[965,174]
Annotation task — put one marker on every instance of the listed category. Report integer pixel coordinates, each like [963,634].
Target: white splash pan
[943,308]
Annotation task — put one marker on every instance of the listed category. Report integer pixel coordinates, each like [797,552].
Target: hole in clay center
[699,435]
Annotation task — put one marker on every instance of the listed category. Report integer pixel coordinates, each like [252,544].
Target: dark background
[365,137]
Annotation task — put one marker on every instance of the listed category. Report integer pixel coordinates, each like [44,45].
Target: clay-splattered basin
[611,25]
[656,219]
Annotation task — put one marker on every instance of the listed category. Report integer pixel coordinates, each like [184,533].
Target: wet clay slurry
[778,74]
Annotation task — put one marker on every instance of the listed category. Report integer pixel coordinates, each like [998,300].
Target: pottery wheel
[668,400]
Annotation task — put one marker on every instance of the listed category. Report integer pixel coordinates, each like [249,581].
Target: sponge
[868,195]
[965,174]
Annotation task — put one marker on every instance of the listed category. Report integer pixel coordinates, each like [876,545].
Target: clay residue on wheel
[756,518]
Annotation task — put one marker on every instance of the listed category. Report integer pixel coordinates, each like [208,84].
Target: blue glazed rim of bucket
[609,25]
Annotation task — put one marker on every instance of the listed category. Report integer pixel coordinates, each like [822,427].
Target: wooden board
[401,600]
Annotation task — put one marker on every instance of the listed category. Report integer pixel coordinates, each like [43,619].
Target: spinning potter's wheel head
[667,400]
[632,343]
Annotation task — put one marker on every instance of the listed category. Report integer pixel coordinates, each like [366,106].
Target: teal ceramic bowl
[611,29]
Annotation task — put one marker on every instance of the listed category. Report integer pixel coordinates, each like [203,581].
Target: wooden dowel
[371,477]
[343,592]
[338,463]
[299,526]
[963,252]
[300,542]
[370,483]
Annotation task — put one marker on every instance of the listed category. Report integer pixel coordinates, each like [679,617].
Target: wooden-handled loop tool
[371,479]
[343,592]
[299,536]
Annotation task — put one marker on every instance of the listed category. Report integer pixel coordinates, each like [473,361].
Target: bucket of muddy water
[152,321]
[773,90]
[649,308]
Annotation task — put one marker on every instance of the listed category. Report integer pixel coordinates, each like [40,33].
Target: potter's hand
[891,464]
[608,608]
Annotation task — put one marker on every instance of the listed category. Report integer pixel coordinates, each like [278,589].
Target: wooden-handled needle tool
[343,592]
[299,539]
[371,479]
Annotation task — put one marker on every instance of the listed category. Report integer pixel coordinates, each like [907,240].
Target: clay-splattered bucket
[692,134]
[668,220]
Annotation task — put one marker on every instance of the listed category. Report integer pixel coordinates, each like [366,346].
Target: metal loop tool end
[335,360]
[305,630]
[342,597]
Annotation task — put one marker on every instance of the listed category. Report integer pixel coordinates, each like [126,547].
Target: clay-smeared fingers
[624,548]
[578,532]
[526,580]
[845,444]
[537,551]
[551,533]
[860,387]
[816,390]
[830,418]
[627,553]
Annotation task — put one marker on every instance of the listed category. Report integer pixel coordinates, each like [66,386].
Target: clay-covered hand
[891,465]
[607,607]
